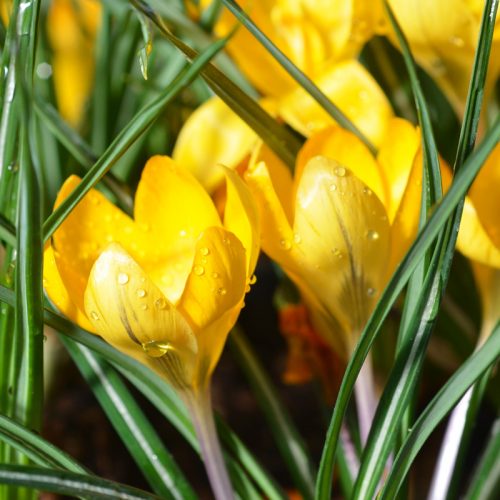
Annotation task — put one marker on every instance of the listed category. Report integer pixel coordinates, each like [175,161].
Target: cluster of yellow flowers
[167,286]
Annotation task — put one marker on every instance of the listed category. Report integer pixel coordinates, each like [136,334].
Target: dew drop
[340,172]
[337,253]
[199,270]
[182,233]
[285,244]
[94,316]
[156,349]
[332,188]
[215,275]
[144,307]
[252,280]
[141,293]
[457,41]
[372,235]
[367,191]
[123,278]
[221,291]
[204,251]
[371,292]
[297,238]
[160,303]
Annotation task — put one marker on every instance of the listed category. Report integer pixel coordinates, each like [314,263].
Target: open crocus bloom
[342,224]
[311,33]
[443,38]
[72,28]
[165,287]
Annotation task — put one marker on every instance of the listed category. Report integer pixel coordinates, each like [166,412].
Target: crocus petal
[57,292]
[242,218]
[396,155]
[129,311]
[217,280]
[484,196]
[345,238]
[488,281]
[276,235]
[174,208]
[353,90]
[213,134]
[92,224]
[473,241]
[345,148]
[404,227]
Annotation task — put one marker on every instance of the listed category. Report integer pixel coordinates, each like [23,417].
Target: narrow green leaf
[131,424]
[288,440]
[35,447]
[70,483]
[486,481]
[426,236]
[301,78]
[7,231]
[438,408]
[139,124]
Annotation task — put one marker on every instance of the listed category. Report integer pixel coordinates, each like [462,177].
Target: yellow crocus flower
[165,287]
[342,224]
[71,27]
[311,33]
[443,38]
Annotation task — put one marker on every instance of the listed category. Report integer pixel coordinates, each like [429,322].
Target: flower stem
[366,399]
[200,408]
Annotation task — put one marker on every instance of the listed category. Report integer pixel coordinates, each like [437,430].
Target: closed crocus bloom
[312,34]
[443,37]
[72,28]
[342,224]
[165,287]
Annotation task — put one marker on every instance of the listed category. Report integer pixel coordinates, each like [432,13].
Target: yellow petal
[93,224]
[242,218]
[213,135]
[488,281]
[484,194]
[353,90]
[405,224]
[280,175]
[345,148]
[129,311]
[174,208]
[396,155]
[57,292]
[473,241]
[345,238]
[276,232]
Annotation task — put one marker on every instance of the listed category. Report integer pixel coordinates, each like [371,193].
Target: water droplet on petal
[122,278]
[221,291]
[340,171]
[297,238]
[182,233]
[160,303]
[199,270]
[156,349]
[215,275]
[204,251]
[371,292]
[144,307]
[457,41]
[372,235]
[333,187]
[285,244]
[141,293]
[94,316]
[367,191]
